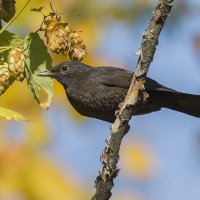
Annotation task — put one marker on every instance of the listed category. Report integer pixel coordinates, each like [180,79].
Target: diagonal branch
[136,94]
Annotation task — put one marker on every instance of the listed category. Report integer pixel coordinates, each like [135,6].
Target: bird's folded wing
[117,77]
[114,77]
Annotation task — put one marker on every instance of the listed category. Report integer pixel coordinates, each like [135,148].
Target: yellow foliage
[22,172]
[138,159]
[11,115]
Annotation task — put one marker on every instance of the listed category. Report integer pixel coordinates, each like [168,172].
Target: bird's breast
[98,103]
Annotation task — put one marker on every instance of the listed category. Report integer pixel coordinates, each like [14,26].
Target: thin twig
[136,93]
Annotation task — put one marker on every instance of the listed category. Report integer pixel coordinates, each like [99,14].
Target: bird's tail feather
[185,103]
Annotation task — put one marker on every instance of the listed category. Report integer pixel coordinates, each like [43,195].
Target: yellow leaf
[45,105]
[139,159]
[11,115]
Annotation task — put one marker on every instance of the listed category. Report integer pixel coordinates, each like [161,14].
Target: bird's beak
[46,73]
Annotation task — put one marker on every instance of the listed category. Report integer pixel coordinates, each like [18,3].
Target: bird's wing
[114,77]
[117,77]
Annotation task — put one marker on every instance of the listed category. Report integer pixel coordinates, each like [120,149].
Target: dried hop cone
[77,52]
[74,37]
[77,48]
[56,32]
[16,64]
[5,79]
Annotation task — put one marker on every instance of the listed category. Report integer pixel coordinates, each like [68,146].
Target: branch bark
[136,94]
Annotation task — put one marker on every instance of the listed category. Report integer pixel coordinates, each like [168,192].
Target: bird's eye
[64,68]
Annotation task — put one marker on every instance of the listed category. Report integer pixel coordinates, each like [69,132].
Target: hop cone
[77,52]
[5,79]
[56,32]
[16,64]
[77,48]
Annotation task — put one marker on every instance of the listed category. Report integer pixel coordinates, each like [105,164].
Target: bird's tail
[185,103]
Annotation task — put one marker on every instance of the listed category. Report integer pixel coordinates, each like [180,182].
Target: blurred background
[56,155]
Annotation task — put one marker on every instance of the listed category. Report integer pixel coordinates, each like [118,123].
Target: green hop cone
[5,79]
[16,64]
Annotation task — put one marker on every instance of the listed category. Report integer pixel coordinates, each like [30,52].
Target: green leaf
[6,38]
[37,9]
[38,60]
[11,115]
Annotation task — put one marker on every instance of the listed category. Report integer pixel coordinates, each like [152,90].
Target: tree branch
[136,94]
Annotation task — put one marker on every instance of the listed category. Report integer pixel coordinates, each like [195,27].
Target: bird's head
[64,72]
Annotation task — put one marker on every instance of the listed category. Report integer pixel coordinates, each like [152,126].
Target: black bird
[97,92]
